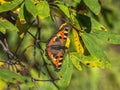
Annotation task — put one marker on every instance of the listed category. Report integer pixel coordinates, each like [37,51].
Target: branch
[5,48]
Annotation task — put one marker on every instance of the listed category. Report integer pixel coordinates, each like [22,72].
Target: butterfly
[55,47]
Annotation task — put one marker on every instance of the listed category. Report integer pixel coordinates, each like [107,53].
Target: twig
[5,48]
[2,45]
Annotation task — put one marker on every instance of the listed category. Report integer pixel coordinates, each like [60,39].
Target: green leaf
[43,9]
[6,25]
[114,38]
[94,48]
[21,14]
[65,73]
[10,5]
[76,58]
[73,3]
[107,37]
[12,77]
[30,6]
[96,25]
[93,5]
[64,9]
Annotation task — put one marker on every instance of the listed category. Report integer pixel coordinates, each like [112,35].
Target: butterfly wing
[55,47]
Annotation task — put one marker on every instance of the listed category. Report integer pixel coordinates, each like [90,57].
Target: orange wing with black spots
[55,47]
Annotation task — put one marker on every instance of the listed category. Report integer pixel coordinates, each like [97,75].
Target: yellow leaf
[5,1]
[1,63]
[21,35]
[2,1]
[92,61]
[3,84]
[67,42]
[77,42]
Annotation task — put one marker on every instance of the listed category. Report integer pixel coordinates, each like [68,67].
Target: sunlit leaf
[64,9]
[43,9]
[3,30]
[65,73]
[2,1]
[6,25]
[95,49]
[67,42]
[10,5]
[22,35]
[30,6]
[3,84]
[76,58]
[77,42]
[92,61]
[93,5]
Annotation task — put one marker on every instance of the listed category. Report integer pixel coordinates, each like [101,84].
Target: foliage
[25,27]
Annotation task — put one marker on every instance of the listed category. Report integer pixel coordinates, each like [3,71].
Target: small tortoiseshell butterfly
[55,47]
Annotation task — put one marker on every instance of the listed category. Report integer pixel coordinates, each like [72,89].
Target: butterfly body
[55,47]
